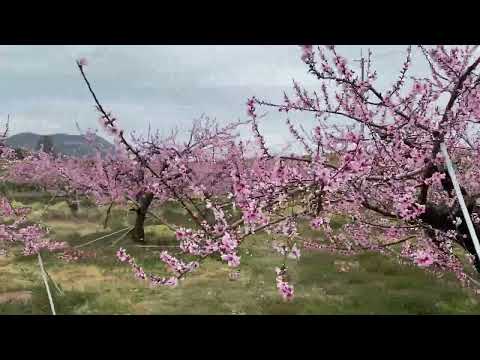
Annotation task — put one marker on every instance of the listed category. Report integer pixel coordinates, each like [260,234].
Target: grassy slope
[103,286]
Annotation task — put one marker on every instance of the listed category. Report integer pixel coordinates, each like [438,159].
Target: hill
[72,145]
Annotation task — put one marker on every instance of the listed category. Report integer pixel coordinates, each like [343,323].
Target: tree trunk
[442,218]
[138,232]
[74,204]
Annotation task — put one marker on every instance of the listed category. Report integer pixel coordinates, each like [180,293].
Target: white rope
[100,238]
[121,237]
[45,280]
[461,201]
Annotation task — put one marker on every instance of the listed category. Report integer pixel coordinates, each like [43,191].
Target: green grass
[101,285]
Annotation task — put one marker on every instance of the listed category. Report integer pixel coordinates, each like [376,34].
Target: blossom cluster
[284,288]
[139,273]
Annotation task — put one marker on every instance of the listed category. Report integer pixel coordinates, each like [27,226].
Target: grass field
[324,283]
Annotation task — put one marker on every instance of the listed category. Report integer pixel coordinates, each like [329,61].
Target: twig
[135,152]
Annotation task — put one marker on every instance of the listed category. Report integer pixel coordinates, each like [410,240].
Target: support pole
[45,280]
[460,198]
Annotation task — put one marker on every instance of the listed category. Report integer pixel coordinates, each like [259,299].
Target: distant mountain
[73,145]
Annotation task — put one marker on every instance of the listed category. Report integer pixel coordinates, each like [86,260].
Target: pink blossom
[317,222]
[122,255]
[424,258]
[307,52]
[232,259]
[294,252]
[228,242]
[284,288]
[82,61]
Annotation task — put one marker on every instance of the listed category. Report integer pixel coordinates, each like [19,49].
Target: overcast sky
[164,86]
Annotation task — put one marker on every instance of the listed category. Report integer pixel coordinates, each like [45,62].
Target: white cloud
[159,85]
